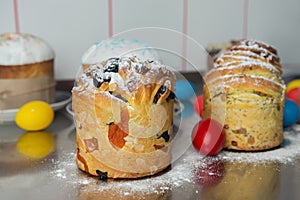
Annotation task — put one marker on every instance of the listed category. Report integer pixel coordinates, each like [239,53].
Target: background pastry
[26,70]
[215,50]
[245,92]
[117,47]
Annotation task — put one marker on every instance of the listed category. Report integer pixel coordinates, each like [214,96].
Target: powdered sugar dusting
[241,78]
[245,55]
[238,64]
[286,153]
[181,173]
[255,47]
[124,75]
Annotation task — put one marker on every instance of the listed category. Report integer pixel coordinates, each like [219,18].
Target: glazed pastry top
[23,48]
[250,66]
[131,78]
[118,47]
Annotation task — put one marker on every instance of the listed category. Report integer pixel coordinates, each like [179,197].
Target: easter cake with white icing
[118,47]
[26,70]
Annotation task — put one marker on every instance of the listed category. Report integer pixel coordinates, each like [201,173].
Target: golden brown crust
[257,43]
[41,69]
[24,83]
[259,51]
[85,66]
[89,125]
[126,134]
[239,67]
[240,55]
[248,83]
[247,96]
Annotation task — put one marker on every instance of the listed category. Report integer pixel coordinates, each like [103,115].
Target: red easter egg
[208,137]
[209,173]
[198,105]
[293,94]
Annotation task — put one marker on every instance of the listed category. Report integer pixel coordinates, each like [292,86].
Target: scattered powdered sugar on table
[287,152]
[181,173]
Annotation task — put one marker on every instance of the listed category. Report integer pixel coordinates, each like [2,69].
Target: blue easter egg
[188,109]
[185,90]
[291,113]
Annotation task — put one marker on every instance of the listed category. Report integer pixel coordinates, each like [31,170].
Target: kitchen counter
[190,176]
[57,177]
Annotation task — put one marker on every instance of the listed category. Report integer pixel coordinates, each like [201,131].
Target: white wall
[71,26]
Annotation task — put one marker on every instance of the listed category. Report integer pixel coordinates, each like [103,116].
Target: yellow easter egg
[293,84]
[34,116]
[36,144]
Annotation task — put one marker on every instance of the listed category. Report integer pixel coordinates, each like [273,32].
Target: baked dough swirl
[124,114]
[246,93]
